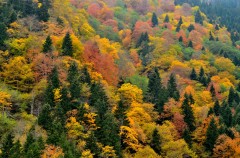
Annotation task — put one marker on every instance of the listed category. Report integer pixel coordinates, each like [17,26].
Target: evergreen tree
[188,113]
[231,96]
[154,20]
[42,11]
[7,146]
[166,19]
[179,25]
[212,90]
[3,35]
[193,75]
[190,44]
[216,27]
[74,80]
[191,27]
[65,100]
[156,91]
[156,142]
[120,114]
[198,17]
[178,28]
[180,39]
[187,137]
[216,108]
[33,151]
[67,47]
[91,144]
[201,73]
[86,76]
[44,118]
[172,88]
[47,46]
[211,136]
[29,142]
[227,116]
[211,38]
[211,111]
[16,151]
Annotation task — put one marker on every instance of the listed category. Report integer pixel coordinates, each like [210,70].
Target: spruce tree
[44,118]
[67,47]
[154,20]
[212,90]
[29,142]
[3,35]
[156,91]
[120,114]
[7,146]
[227,116]
[211,111]
[216,108]
[172,88]
[179,25]
[211,136]
[16,151]
[47,46]
[188,113]
[191,27]
[91,144]
[193,75]
[42,11]
[211,38]
[201,73]
[156,142]
[187,137]
[166,19]
[231,96]
[180,39]
[198,17]
[33,151]
[217,27]
[190,44]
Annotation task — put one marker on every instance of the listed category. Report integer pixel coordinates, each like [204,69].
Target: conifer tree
[187,137]
[120,114]
[198,17]
[211,111]
[154,20]
[156,91]
[86,76]
[172,88]
[231,96]
[16,151]
[188,113]
[217,27]
[227,116]
[211,38]
[180,39]
[42,11]
[179,25]
[211,136]
[47,46]
[44,118]
[91,144]
[193,75]
[191,27]
[201,73]
[190,44]
[178,28]
[212,90]
[67,47]
[216,108]
[3,35]
[30,140]
[7,146]
[156,142]
[166,19]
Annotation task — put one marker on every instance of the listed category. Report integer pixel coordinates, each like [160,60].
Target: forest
[119,79]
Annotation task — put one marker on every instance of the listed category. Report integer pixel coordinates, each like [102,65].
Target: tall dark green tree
[154,20]
[156,142]
[190,44]
[3,35]
[47,46]
[180,39]
[166,19]
[211,38]
[16,151]
[156,91]
[191,27]
[211,136]
[6,146]
[198,17]
[91,144]
[193,75]
[42,11]
[188,113]
[44,118]
[172,88]
[187,137]
[216,108]
[212,90]
[67,47]
[227,116]
[120,114]
[179,24]
[231,96]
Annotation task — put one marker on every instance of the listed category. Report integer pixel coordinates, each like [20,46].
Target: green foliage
[47,46]
[67,47]
[154,20]
[7,145]
[172,88]
[166,19]
[211,136]
[198,17]
[156,142]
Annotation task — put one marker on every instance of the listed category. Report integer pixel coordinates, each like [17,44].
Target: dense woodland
[119,79]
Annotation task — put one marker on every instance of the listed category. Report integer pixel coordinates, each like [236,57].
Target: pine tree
[180,39]
[187,137]
[179,25]
[178,28]
[166,19]
[188,113]
[211,111]
[33,151]
[44,118]
[211,136]
[227,116]
[42,11]
[120,114]
[193,75]
[172,88]
[156,142]
[86,76]
[211,38]
[47,46]
[91,144]
[7,146]
[231,96]
[65,100]
[67,47]
[156,91]
[191,27]
[3,35]
[198,17]
[216,27]
[154,20]
[201,73]
[190,44]
[212,90]
[74,80]
[216,108]
[16,151]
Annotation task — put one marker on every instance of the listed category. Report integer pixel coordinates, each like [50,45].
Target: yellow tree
[5,103]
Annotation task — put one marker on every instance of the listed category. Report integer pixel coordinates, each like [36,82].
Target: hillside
[117,79]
